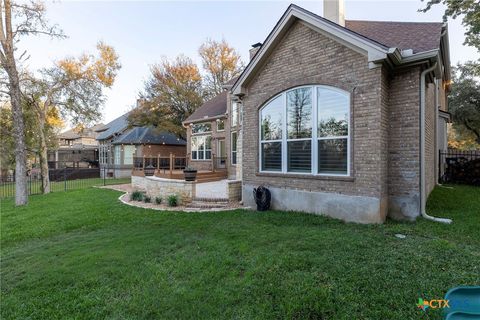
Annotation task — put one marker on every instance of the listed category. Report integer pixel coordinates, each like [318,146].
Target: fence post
[104,176]
[171,164]
[65,178]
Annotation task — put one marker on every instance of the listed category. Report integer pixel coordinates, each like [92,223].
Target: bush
[172,200]
[136,196]
[158,200]
[147,199]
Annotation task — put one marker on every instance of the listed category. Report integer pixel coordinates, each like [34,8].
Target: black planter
[190,175]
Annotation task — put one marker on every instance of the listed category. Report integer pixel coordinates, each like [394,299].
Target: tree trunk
[8,62]
[43,155]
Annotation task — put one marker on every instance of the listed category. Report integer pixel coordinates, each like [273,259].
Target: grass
[82,254]
[8,189]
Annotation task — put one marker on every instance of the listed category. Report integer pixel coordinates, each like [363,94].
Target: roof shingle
[418,36]
[215,107]
[148,135]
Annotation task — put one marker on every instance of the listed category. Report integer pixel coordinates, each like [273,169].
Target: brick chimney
[254,49]
[334,10]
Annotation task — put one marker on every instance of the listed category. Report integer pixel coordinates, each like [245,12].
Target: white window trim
[201,133]
[314,138]
[204,150]
[217,122]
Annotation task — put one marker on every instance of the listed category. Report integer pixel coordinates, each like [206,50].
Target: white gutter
[423,199]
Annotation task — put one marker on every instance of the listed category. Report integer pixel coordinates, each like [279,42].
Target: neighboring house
[212,135]
[120,146]
[77,146]
[343,118]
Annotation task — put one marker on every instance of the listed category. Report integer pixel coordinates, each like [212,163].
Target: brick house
[343,118]
[120,145]
[212,135]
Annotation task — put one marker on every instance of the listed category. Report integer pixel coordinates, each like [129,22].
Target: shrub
[136,196]
[172,200]
[158,200]
[147,199]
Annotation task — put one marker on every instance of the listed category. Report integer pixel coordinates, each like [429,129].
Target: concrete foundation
[404,207]
[358,209]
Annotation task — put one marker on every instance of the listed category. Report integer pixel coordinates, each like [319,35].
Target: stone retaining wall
[153,186]
[234,190]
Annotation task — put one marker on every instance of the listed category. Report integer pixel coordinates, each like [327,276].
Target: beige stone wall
[234,189]
[403,143]
[307,57]
[154,187]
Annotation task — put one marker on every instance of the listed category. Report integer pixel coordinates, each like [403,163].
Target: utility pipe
[422,149]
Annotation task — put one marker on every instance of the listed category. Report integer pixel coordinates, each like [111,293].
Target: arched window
[306,130]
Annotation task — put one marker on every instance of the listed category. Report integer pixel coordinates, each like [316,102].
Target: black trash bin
[262,198]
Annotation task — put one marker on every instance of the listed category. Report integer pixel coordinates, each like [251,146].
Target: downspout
[422,149]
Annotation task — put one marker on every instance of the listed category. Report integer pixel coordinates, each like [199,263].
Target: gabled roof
[77,134]
[381,41]
[148,135]
[418,36]
[114,127]
[213,108]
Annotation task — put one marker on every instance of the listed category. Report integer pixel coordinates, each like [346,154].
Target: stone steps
[208,203]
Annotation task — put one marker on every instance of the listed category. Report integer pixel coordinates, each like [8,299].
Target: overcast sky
[143,32]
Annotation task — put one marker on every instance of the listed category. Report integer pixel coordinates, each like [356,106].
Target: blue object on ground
[464,302]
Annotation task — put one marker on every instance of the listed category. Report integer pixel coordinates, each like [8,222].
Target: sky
[143,32]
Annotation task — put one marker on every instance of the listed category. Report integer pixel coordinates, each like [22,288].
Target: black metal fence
[62,179]
[457,166]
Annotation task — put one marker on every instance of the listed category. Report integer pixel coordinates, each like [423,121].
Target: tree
[470,9]
[464,100]
[74,88]
[17,20]
[221,63]
[172,93]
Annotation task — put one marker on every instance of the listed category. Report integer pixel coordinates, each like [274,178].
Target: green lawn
[83,255]
[7,190]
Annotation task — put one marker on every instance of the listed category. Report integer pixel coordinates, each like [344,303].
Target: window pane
[220,125]
[299,113]
[332,156]
[234,157]
[201,127]
[194,155]
[271,120]
[333,109]
[208,154]
[299,156]
[234,141]
[272,156]
[128,154]
[234,114]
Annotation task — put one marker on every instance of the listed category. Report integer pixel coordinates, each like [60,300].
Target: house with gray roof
[76,147]
[344,117]
[337,117]
[120,146]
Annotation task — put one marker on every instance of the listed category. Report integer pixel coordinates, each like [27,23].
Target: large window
[234,116]
[118,153]
[201,128]
[201,147]
[234,147]
[306,130]
[128,152]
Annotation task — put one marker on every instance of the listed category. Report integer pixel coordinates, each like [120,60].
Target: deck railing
[160,164]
